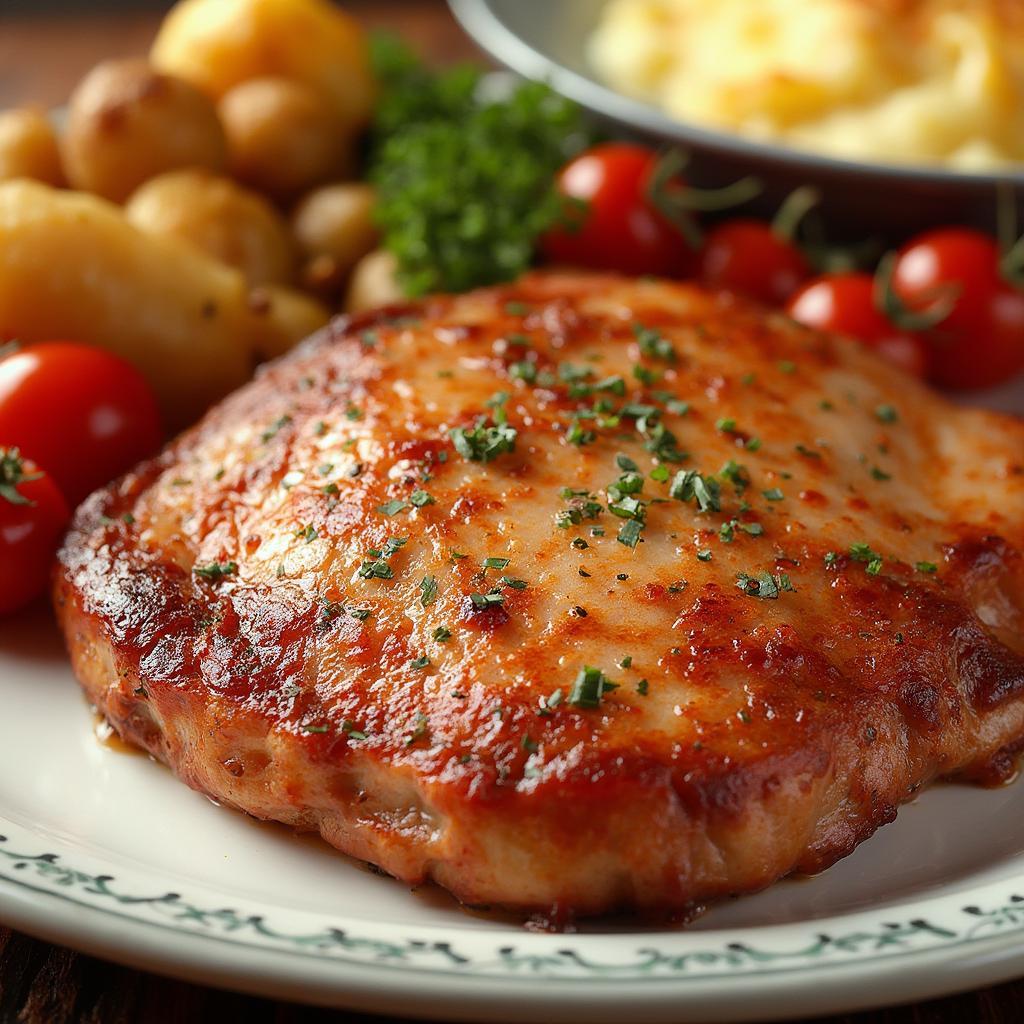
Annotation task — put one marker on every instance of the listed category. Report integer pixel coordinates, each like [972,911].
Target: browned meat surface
[802,572]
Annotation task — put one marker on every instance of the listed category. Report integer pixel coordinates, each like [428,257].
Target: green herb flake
[495,563]
[419,498]
[484,443]
[215,571]
[926,567]
[588,688]
[428,591]
[629,533]
[652,343]
[393,507]
[886,413]
[773,494]
[764,585]
[420,663]
[442,634]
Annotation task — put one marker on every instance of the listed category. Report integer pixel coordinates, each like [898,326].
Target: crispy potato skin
[217,44]
[128,123]
[225,220]
[775,735]
[71,266]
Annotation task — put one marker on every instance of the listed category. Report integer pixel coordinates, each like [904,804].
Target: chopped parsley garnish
[691,485]
[862,552]
[927,567]
[495,563]
[660,474]
[513,583]
[807,453]
[428,591]
[419,730]
[442,634]
[727,531]
[652,343]
[787,366]
[773,494]
[582,505]
[725,425]
[737,474]
[764,585]
[704,555]
[578,435]
[484,443]
[629,533]
[351,730]
[353,412]
[626,464]
[886,413]
[421,662]
[376,569]
[588,688]
[661,442]
[419,498]
[215,571]
[643,687]
[523,370]
[753,444]
[481,601]
[393,507]
[880,474]
[275,427]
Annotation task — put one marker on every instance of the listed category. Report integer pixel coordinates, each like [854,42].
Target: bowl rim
[481,21]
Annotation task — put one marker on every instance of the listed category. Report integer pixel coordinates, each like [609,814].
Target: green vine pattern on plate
[171,909]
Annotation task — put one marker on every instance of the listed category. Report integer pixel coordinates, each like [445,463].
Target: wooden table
[41,57]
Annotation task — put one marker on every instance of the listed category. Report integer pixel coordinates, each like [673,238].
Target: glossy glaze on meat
[843,628]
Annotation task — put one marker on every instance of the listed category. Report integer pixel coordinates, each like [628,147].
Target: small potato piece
[28,147]
[282,317]
[128,123]
[235,226]
[373,283]
[71,266]
[216,44]
[336,222]
[283,136]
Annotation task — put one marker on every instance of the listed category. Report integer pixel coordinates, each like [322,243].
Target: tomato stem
[794,208]
[12,475]
[891,306]
[1011,246]
[676,202]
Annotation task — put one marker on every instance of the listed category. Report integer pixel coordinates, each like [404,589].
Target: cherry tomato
[82,414]
[981,340]
[616,227]
[845,304]
[33,515]
[747,256]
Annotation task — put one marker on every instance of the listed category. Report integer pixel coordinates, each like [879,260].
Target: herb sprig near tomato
[81,413]
[33,515]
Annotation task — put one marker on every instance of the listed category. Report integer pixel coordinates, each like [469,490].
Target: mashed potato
[935,81]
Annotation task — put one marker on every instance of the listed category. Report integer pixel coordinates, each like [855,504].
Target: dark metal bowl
[545,39]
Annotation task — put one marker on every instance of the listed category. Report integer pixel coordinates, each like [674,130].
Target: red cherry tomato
[981,341]
[747,256]
[616,227]
[33,515]
[82,414]
[845,304]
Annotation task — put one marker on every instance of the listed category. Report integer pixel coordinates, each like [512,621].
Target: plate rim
[479,19]
[56,911]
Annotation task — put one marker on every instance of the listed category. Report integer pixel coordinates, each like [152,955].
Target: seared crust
[774,733]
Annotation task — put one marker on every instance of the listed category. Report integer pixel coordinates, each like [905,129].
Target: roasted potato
[72,266]
[230,223]
[284,136]
[217,44]
[28,147]
[373,283]
[334,228]
[282,316]
[128,123]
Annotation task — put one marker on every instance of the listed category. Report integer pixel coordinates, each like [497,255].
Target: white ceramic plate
[106,851]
